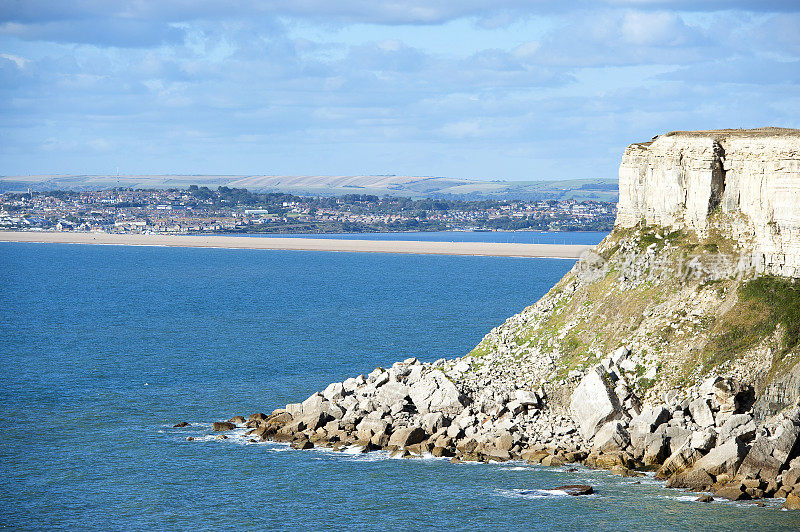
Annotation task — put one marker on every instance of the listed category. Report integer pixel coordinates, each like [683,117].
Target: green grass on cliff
[765,303]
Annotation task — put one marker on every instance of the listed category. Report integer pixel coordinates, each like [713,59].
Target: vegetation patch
[765,304]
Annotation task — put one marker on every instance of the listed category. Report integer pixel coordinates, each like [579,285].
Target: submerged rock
[576,489]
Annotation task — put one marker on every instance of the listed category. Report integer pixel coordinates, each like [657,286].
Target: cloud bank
[521,90]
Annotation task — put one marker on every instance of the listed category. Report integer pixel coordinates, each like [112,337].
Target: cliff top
[738,133]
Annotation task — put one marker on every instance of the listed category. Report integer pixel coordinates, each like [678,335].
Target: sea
[105,348]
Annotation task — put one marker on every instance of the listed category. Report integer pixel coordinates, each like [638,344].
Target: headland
[672,347]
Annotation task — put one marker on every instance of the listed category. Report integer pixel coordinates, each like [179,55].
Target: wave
[536,493]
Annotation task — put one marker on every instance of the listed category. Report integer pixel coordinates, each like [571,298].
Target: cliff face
[745,183]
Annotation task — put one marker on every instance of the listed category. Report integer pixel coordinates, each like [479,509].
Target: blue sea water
[104,348]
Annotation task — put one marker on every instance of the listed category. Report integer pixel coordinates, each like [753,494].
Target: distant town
[236,210]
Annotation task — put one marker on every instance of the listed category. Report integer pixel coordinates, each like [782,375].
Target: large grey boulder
[407,436]
[391,393]
[313,404]
[434,421]
[701,412]
[369,427]
[679,461]
[333,392]
[724,458]
[436,393]
[612,436]
[594,403]
[703,440]
[648,420]
[769,455]
[651,417]
[656,449]
[677,436]
[739,426]
[526,398]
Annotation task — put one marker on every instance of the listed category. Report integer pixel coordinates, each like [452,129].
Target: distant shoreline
[489,249]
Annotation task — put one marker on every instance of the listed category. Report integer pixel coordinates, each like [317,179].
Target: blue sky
[508,89]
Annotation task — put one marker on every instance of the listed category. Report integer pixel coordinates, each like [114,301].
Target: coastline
[488,249]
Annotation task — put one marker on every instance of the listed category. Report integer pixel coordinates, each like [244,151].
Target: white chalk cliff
[745,182]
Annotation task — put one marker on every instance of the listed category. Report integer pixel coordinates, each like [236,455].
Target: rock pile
[413,409]
[705,440]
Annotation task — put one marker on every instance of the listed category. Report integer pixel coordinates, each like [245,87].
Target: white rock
[333,392]
[701,412]
[436,393]
[392,392]
[594,403]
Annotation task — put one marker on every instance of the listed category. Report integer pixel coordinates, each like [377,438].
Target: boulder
[432,422]
[651,417]
[526,398]
[679,461]
[392,392]
[436,393]
[701,412]
[312,404]
[792,502]
[611,437]
[703,440]
[368,427]
[677,436]
[504,441]
[439,452]
[695,480]
[791,477]
[407,436]
[237,420]
[302,445]
[656,449]
[498,455]
[552,460]
[180,425]
[704,498]
[732,492]
[316,420]
[223,425]
[295,409]
[739,426]
[333,392]
[769,455]
[575,489]
[724,458]
[594,403]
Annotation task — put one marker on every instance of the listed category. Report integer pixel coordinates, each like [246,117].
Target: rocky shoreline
[706,440]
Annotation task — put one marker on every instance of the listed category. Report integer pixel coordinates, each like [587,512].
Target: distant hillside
[414,187]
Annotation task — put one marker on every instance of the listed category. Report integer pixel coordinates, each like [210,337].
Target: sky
[501,89]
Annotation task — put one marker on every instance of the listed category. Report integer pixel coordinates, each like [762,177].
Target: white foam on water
[514,468]
[684,498]
[535,494]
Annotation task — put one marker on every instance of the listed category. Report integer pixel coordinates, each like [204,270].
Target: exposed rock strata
[751,176]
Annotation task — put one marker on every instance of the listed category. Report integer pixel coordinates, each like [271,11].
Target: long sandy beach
[303,244]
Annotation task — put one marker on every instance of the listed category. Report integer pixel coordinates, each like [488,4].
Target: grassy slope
[680,328]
